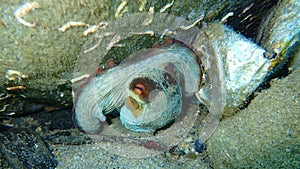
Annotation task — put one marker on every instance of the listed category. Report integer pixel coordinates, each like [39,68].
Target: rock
[199,146]
[19,107]
[55,127]
[44,57]
[58,127]
[22,148]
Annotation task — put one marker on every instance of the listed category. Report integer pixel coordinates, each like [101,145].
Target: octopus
[155,90]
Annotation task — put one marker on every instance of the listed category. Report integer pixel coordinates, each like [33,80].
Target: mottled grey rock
[22,148]
[45,56]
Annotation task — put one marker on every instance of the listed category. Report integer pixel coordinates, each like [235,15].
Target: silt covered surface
[266,133]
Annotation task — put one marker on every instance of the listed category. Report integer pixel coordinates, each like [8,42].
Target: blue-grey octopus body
[152,87]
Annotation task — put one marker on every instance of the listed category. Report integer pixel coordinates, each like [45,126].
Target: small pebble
[199,146]
[187,140]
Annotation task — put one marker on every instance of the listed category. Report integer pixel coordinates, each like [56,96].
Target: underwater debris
[24,10]
[149,19]
[163,9]
[193,24]
[94,28]
[116,38]
[143,4]
[16,88]
[224,19]
[121,9]
[99,41]
[70,24]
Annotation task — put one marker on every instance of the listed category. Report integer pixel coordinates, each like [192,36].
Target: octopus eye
[142,87]
[139,89]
